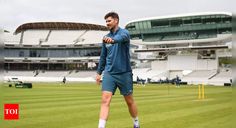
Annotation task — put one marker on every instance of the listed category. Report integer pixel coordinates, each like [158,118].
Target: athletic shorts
[123,81]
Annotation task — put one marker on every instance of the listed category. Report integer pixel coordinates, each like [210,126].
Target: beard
[111,28]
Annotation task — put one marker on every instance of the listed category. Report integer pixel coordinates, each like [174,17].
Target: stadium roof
[181,15]
[59,26]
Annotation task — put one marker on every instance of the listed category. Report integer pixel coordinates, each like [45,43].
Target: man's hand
[98,79]
[108,40]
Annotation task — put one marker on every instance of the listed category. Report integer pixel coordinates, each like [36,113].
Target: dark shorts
[123,81]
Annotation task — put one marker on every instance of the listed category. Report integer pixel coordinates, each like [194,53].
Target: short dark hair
[112,14]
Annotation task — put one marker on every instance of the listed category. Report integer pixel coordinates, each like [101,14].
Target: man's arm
[102,63]
[102,60]
[123,37]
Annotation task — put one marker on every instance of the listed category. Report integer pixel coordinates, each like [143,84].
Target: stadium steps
[46,39]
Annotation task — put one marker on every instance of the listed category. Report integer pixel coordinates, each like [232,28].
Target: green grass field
[77,106]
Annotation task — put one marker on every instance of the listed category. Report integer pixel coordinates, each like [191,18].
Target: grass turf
[77,105]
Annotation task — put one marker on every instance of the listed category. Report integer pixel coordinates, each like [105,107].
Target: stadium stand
[49,51]
[91,37]
[222,78]
[31,37]
[189,46]
[62,37]
[50,76]
[199,76]
[11,39]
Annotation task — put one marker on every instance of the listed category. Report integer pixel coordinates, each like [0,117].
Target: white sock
[102,123]
[136,122]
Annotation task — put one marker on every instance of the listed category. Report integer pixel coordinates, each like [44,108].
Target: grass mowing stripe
[160,116]
[191,120]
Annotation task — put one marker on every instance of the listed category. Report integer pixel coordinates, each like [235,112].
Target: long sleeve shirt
[115,57]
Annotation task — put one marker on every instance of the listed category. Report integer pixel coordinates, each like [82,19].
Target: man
[64,80]
[177,81]
[115,62]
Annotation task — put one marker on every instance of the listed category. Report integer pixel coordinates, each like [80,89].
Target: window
[130,27]
[21,54]
[159,23]
[176,22]
[140,24]
[187,21]
[145,25]
[33,53]
[227,19]
[211,19]
[138,36]
[218,19]
[197,20]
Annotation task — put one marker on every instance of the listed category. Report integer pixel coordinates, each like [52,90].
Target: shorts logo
[11,111]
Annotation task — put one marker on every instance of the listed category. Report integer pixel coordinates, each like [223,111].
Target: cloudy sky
[16,12]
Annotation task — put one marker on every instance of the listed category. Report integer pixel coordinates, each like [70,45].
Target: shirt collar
[113,33]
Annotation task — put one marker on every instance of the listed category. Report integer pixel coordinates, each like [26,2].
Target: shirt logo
[108,45]
[11,111]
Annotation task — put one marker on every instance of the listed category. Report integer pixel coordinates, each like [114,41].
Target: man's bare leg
[105,106]
[132,109]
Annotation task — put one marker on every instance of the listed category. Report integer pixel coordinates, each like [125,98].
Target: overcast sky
[16,12]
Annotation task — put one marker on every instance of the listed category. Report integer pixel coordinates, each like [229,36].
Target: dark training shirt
[115,57]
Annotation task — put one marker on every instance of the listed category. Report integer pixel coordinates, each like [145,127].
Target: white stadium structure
[50,51]
[195,47]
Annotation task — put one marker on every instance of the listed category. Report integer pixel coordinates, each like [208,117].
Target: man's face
[111,23]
